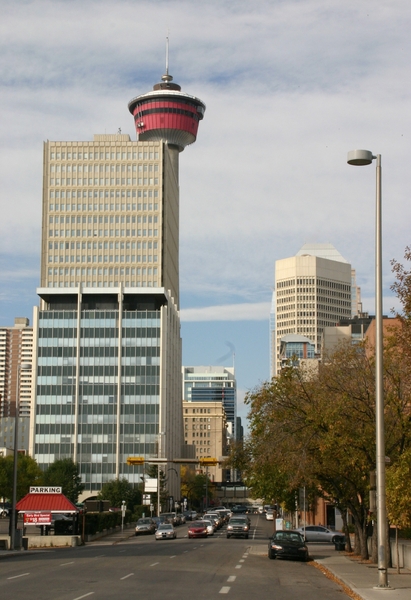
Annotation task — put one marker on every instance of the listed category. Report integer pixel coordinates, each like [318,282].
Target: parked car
[5,508]
[287,544]
[197,529]
[237,527]
[145,526]
[165,531]
[319,533]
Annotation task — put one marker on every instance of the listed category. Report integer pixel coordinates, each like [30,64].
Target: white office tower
[312,290]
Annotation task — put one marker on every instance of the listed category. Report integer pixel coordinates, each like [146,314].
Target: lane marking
[126,576]
[241,560]
[64,564]
[16,576]
[154,564]
[85,596]
[238,566]
[232,578]
[185,551]
[225,589]
[174,555]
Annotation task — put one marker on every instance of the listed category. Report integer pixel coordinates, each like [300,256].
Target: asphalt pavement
[358,576]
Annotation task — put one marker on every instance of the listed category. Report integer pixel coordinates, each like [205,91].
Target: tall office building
[312,290]
[16,348]
[212,384]
[108,349]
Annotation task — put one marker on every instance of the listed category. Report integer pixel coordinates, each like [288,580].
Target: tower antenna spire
[166,77]
[167,48]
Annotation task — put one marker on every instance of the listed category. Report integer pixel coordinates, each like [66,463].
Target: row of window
[71,154]
[100,168]
[100,284]
[100,194]
[111,258]
[104,181]
[112,219]
[103,233]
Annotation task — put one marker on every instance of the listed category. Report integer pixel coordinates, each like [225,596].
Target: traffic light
[208,462]
[135,460]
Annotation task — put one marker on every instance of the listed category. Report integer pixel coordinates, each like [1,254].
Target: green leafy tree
[65,473]
[28,474]
[117,490]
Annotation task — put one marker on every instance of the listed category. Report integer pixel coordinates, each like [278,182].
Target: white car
[210,527]
[269,515]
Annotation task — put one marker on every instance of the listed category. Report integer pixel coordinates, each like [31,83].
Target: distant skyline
[290,88]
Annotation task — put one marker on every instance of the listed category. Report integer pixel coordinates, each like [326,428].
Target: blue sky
[290,87]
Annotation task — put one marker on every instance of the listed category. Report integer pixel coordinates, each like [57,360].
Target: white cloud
[290,87]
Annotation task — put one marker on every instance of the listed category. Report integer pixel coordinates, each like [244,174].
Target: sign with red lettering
[37,518]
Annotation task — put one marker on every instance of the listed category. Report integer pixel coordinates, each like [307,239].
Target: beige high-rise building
[313,290]
[16,348]
[110,214]
[205,427]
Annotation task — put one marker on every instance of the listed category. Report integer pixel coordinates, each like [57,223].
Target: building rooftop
[322,251]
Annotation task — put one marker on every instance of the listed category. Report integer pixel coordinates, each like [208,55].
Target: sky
[290,87]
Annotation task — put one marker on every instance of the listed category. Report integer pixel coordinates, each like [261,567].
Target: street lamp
[21,367]
[360,158]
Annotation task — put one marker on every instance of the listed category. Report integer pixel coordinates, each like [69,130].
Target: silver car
[145,526]
[165,531]
[319,533]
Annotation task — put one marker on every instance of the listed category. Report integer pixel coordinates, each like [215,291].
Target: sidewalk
[361,577]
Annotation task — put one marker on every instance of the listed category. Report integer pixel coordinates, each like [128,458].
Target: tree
[117,490]
[65,473]
[28,474]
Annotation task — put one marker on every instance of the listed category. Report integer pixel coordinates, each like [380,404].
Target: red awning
[52,502]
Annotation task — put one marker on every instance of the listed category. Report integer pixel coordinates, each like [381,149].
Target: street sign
[146,499]
[37,518]
[150,485]
[45,490]
[208,462]
[135,460]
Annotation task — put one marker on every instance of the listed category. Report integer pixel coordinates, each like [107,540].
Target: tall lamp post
[21,367]
[360,158]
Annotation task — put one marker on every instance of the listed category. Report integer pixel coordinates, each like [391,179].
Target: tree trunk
[346,532]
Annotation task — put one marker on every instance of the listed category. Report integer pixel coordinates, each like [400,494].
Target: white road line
[174,555]
[16,576]
[232,578]
[64,564]
[85,596]
[185,551]
[238,566]
[154,564]
[126,576]
[225,589]
[241,560]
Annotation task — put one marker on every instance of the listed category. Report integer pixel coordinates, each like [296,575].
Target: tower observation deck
[167,114]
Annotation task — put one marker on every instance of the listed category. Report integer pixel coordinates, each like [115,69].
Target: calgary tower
[167,114]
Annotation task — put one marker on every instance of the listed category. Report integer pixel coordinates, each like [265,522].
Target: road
[173,569]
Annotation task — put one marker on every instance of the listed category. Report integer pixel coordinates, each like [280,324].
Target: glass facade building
[99,382]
